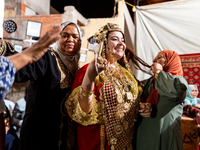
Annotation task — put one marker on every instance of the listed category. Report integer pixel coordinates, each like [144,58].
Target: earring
[126,63]
[103,52]
[111,55]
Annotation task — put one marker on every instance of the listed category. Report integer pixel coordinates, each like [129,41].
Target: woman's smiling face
[115,46]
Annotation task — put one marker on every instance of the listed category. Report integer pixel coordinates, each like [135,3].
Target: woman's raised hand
[102,64]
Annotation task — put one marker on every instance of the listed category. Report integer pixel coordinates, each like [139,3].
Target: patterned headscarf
[71,62]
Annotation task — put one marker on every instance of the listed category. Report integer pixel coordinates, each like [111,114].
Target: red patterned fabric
[88,137]
[191,68]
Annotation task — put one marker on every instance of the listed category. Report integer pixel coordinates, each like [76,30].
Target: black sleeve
[33,71]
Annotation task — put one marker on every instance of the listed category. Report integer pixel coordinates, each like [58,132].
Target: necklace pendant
[118,129]
[119,98]
[126,88]
[127,106]
[126,125]
[113,141]
[119,114]
[129,96]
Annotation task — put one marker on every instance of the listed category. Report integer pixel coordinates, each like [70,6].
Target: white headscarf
[71,62]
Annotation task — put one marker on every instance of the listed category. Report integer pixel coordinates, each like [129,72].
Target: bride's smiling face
[115,46]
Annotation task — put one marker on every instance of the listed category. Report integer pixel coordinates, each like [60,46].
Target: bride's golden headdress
[100,37]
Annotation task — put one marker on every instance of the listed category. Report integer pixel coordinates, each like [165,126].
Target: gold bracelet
[157,72]
[85,93]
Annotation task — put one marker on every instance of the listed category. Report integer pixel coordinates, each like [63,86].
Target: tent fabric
[129,28]
[167,26]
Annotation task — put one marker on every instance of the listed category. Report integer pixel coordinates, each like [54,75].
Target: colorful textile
[97,126]
[86,134]
[7,76]
[191,68]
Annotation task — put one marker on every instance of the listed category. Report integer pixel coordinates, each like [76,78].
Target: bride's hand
[145,109]
[102,64]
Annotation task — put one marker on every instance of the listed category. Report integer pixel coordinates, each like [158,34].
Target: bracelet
[85,93]
[157,72]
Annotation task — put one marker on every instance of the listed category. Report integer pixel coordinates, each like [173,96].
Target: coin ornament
[118,129]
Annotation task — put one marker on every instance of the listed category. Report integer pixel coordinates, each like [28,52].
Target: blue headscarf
[189,100]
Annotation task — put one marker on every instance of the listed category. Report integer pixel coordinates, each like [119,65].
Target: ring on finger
[149,107]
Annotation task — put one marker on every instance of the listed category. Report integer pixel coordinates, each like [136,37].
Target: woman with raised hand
[166,91]
[105,96]
[9,65]
[50,77]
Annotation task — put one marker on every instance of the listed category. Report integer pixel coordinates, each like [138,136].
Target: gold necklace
[117,77]
[120,95]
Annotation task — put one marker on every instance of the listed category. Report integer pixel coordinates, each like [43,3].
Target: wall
[18,7]
[1,17]
[40,6]
[48,21]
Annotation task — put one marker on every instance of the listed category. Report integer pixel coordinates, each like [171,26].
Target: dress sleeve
[34,70]
[75,112]
[171,86]
[7,76]
[72,104]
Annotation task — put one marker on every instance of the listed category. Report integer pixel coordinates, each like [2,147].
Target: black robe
[42,120]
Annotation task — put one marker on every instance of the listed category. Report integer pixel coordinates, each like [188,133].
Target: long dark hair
[130,55]
[136,60]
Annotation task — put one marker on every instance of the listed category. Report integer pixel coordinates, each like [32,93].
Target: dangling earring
[103,53]
[111,55]
[127,64]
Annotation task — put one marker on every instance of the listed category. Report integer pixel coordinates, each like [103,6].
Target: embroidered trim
[102,134]
[3,48]
[66,79]
[75,112]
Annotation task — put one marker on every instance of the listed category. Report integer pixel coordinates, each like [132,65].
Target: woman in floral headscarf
[166,92]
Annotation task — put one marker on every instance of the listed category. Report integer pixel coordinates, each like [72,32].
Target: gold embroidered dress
[110,124]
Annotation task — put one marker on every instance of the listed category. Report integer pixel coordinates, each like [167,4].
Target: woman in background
[166,91]
[191,97]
